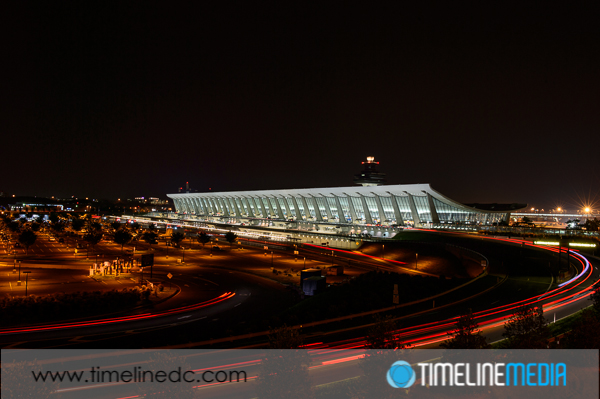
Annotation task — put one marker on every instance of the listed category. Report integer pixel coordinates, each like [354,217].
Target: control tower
[369,175]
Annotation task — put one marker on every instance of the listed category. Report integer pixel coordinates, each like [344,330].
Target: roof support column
[413,210]
[265,214]
[368,217]
[352,210]
[434,215]
[224,207]
[235,207]
[278,205]
[399,218]
[203,204]
[208,206]
[306,209]
[341,214]
[196,206]
[248,207]
[327,209]
[257,209]
[199,210]
[382,217]
[317,210]
[215,205]
[298,213]
[287,208]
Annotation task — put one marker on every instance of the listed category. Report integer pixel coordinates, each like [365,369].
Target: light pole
[26,279]
[167,244]
[332,258]
[416,261]
[305,262]
[182,254]
[87,251]
[382,251]
[19,271]
[271,259]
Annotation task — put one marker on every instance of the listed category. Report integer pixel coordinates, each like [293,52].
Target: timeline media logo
[401,375]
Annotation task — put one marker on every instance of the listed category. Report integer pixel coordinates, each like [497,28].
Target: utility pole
[26,279]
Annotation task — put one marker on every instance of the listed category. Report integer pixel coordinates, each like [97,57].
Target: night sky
[486,105]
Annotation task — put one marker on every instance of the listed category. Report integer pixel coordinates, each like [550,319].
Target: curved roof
[352,191]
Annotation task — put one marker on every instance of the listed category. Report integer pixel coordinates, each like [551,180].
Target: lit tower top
[369,175]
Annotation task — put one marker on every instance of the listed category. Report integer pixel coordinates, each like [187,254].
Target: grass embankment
[557,329]
[369,291]
[61,306]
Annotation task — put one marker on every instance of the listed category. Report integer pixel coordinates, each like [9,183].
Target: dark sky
[486,105]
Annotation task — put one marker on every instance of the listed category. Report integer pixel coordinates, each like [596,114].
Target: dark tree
[203,238]
[466,335]
[230,236]
[27,238]
[95,226]
[149,237]
[77,224]
[284,374]
[58,226]
[135,226]
[35,226]
[527,329]
[14,226]
[122,237]
[177,237]
[284,337]
[152,227]
[584,332]
[116,225]
[93,238]
[382,334]
[53,217]
[592,224]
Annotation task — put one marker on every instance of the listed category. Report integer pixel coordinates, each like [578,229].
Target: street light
[182,254]
[382,251]
[26,279]
[416,261]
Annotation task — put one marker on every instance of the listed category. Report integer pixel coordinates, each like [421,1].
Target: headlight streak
[440,336]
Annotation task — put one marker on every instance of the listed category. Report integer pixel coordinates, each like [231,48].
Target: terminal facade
[369,208]
[391,205]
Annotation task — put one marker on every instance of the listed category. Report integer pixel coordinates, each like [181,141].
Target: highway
[424,331]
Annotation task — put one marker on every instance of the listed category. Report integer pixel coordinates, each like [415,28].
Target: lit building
[340,209]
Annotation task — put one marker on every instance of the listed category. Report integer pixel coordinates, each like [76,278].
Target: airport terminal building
[379,210]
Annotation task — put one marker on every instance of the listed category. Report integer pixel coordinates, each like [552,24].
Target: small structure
[314,285]
[306,273]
